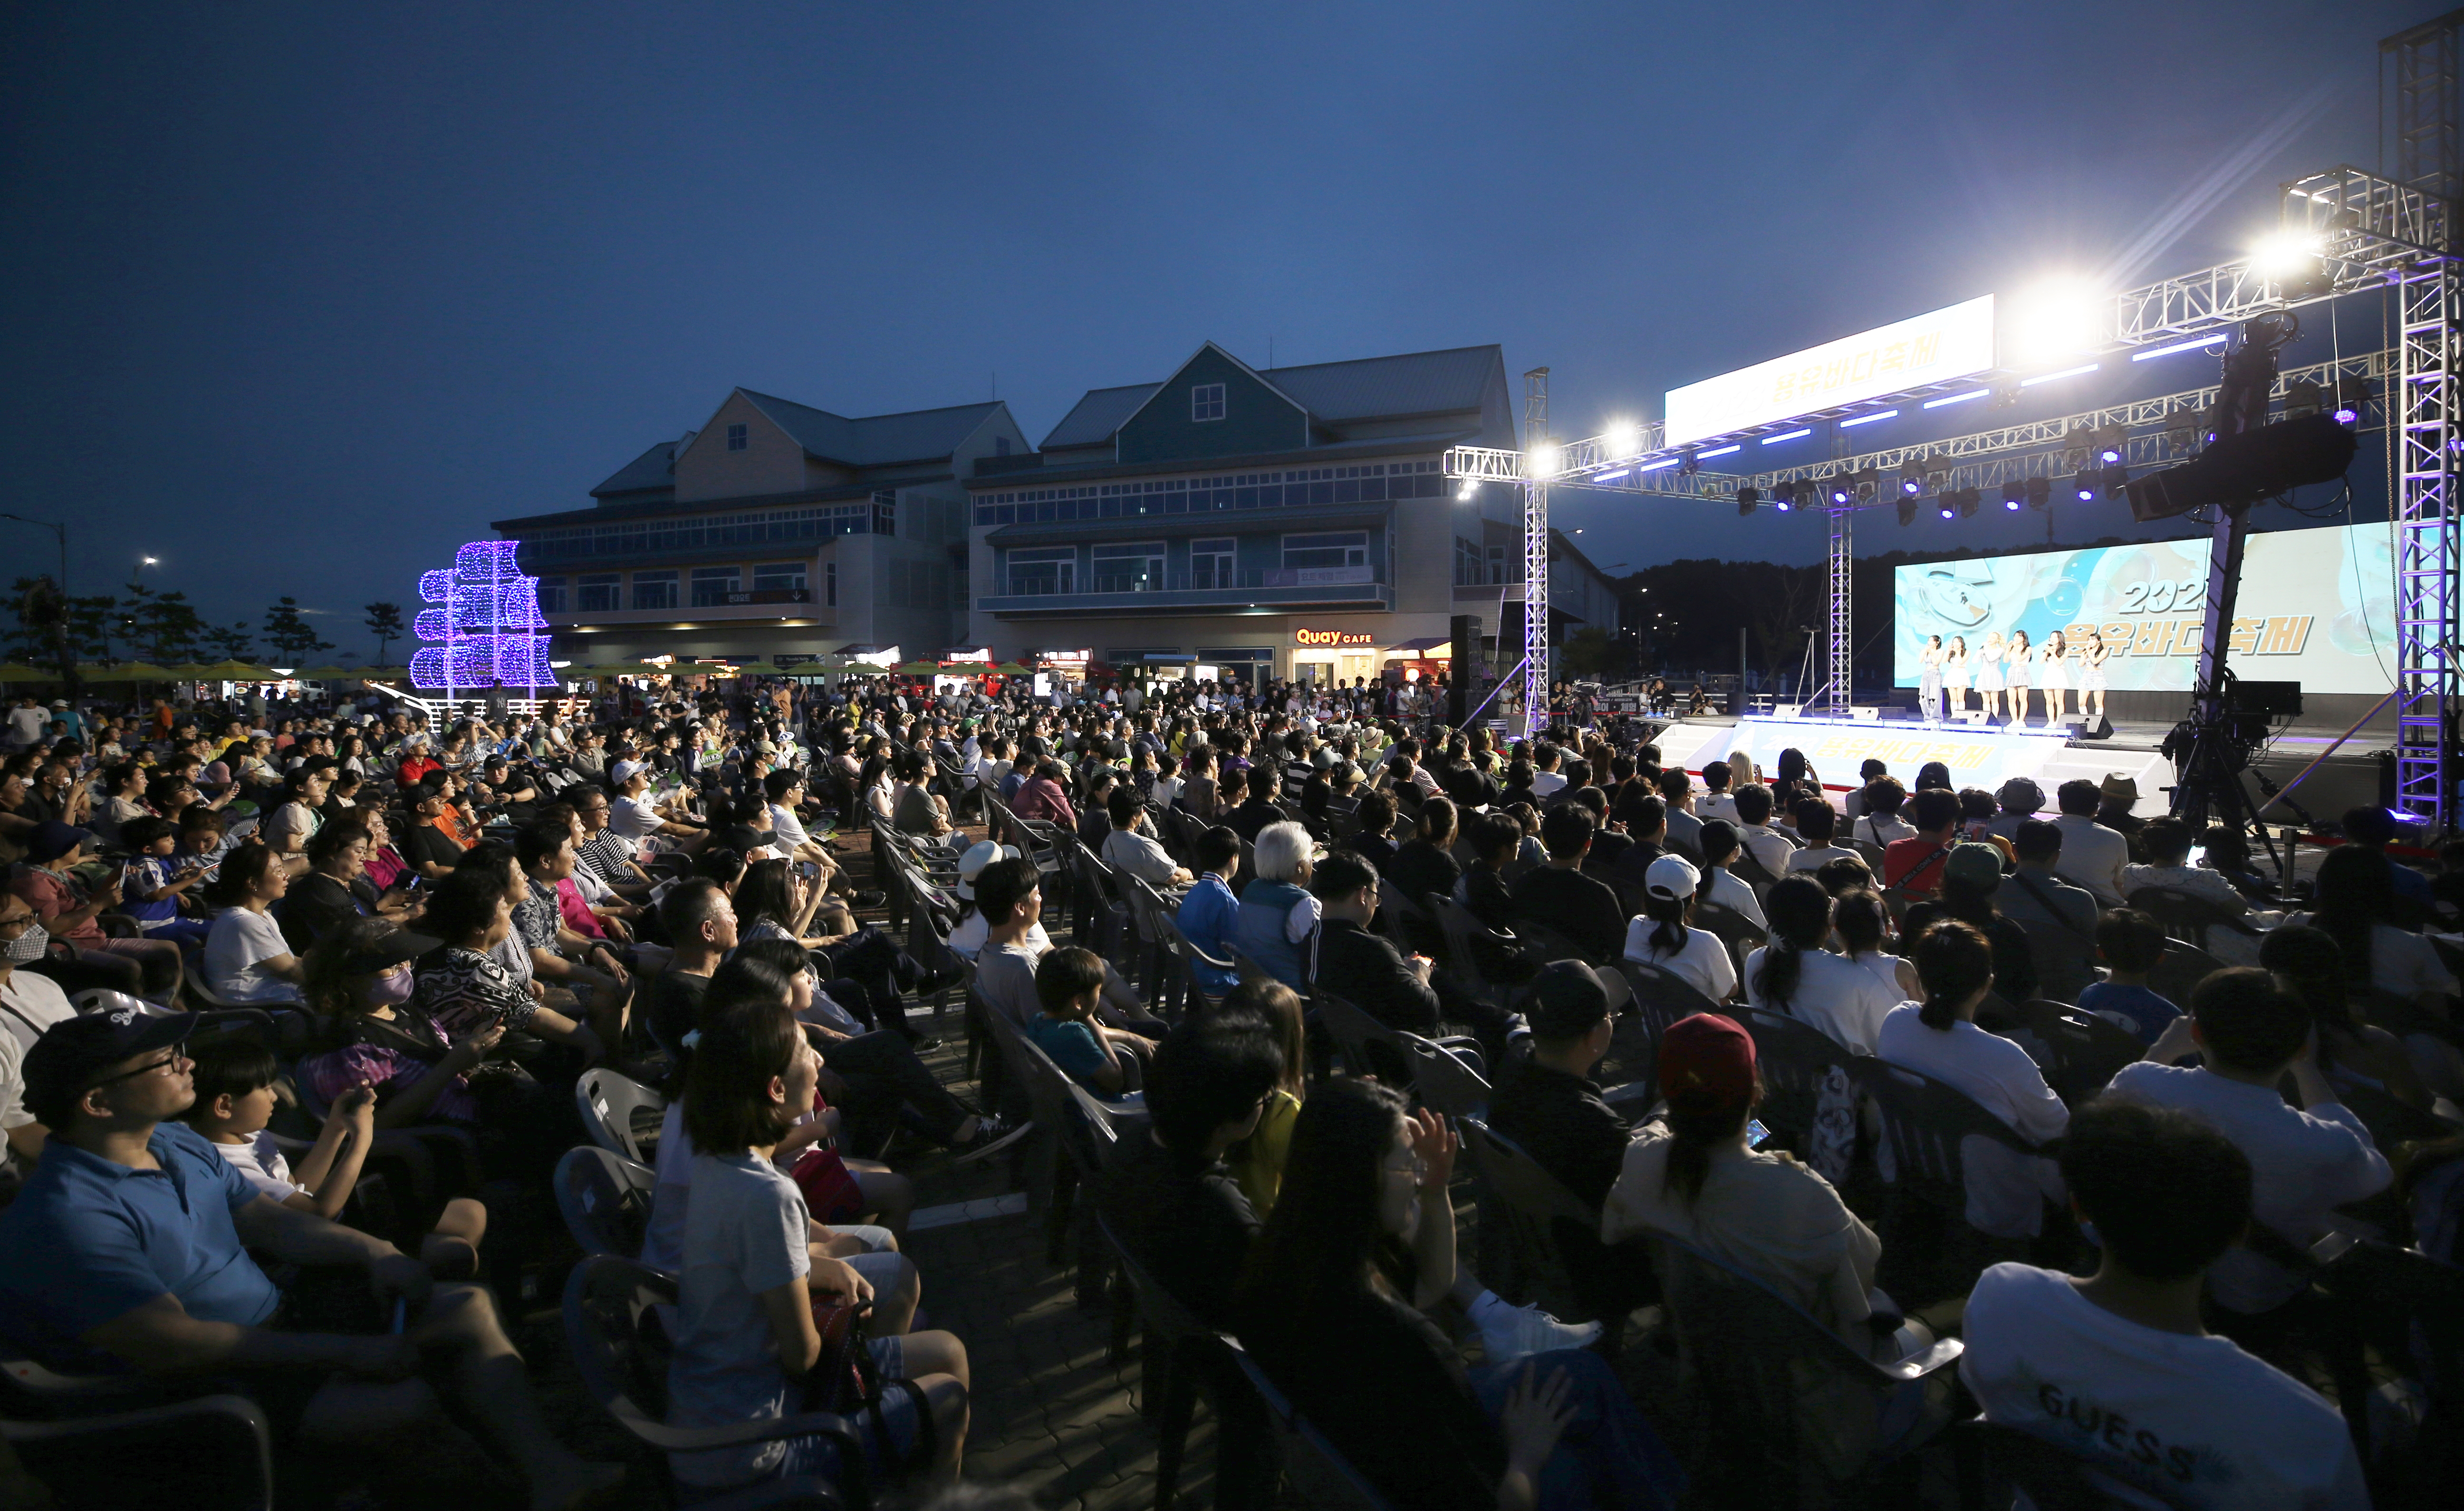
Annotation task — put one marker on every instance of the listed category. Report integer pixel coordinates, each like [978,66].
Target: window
[1132,566]
[735,439]
[1207,402]
[551,595]
[770,577]
[1000,446]
[1035,573]
[1210,562]
[1369,483]
[1332,548]
[654,590]
[830,583]
[598,592]
[885,512]
[712,585]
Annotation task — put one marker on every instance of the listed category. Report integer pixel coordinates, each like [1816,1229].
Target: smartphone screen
[1755,1134]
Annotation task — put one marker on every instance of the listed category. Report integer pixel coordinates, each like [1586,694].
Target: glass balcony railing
[1046,584]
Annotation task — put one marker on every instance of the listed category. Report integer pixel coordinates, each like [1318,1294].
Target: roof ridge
[1390,357]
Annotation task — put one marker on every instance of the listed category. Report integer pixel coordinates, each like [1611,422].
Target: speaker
[1464,678]
[2273,699]
[2244,469]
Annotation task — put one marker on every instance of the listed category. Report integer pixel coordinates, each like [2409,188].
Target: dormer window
[1207,402]
[735,439]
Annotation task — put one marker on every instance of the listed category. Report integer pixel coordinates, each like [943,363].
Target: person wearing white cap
[968,938]
[1665,938]
[637,816]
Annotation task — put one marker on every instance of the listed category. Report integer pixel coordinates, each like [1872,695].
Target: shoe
[1509,1332]
[868,898]
[929,983]
[991,1135]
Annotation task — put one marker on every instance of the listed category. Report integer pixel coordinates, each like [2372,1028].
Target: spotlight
[1747,499]
[2113,480]
[2083,486]
[1689,466]
[1623,439]
[2112,443]
[2286,255]
[1783,494]
[2352,396]
[2040,492]
[2011,494]
[1907,511]
[2302,399]
[1469,487]
[1911,478]
[1869,482]
[2054,320]
[1840,490]
[1546,458]
[1949,512]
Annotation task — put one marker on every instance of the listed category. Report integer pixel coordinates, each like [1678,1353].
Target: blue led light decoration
[483,631]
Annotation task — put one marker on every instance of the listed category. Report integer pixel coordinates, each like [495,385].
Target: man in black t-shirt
[1559,896]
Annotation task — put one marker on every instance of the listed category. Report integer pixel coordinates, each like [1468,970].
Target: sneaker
[1509,1332]
[992,1135]
[868,898]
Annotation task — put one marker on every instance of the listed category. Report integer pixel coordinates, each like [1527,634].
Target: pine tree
[235,643]
[290,635]
[385,620]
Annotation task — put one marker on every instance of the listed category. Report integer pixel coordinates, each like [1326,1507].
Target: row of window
[1138,566]
[1297,488]
[1474,567]
[712,587]
[717,532]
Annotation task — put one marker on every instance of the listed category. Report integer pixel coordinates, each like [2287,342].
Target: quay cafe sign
[1334,639]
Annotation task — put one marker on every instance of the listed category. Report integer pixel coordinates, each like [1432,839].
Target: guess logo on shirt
[2115,1433]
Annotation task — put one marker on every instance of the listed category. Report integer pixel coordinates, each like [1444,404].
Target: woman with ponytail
[1663,936]
[1697,1178]
[1939,1038]
[1797,976]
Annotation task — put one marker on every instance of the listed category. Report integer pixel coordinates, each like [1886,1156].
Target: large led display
[1909,354]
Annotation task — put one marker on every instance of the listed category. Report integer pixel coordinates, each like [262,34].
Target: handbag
[847,1381]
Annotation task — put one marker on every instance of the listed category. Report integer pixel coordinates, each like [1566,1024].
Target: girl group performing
[2014,666]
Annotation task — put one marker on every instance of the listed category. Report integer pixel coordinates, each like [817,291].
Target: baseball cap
[1567,999]
[981,854]
[388,949]
[72,1053]
[626,771]
[52,838]
[1976,866]
[1707,1065]
[1671,876]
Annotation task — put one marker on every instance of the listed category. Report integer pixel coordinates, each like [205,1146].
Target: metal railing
[1043,585]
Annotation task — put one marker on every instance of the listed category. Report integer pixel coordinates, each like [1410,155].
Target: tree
[160,627]
[235,643]
[290,635]
[1586,652]
[385,620]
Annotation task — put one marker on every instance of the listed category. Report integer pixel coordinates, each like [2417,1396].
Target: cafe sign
[1334,639]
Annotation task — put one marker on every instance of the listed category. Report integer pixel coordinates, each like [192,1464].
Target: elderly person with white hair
[1276,912]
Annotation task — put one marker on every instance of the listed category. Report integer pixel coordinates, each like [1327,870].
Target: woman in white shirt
[1929,678]
[2017,673]
[1988,674]
[1939,1038]
[1721,846]
[1954,678]
[1863,925]
[1794,975]
[1663,936]
[246,959]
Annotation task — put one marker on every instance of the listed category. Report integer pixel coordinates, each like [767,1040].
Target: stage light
[1658,462]
[1726,451]
[2241,469]
[1908,512]
[1747,499]
[1966,499]
[2058,319]
[1869,483]
[1688,464]
[1791,435]
[2012,495]
[2303,398]
[1623,439]
[1868,418]
[2067,372]
[2352,397]
[1949,512]
[1957,398]
[1840,490]
[1911,478]
[2040,492]
[1545,458]
[2347,416]
[2113,480]
[1466,491]
[2217,339]
[2281,253]
[2112,444]
[1783,496]
[2083,486]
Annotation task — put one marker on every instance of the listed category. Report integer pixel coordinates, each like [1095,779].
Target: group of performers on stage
[2012,666]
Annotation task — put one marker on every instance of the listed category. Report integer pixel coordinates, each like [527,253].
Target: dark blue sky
[298,298]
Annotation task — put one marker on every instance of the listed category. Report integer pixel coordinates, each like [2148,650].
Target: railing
[1040,585]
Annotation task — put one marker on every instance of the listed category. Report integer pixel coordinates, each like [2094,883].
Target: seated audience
[1276,912]
[2352,1051]
[1972,882]
[2093,856]
[1664,936]
[1796,975]
[1559,897]
[1914,864]
[1878,820]
[2117,1368]
[1210,913]
[2352,901]
[1131,847]
[246,959]
[1770,849]
[1366,970]
[1068,983]
[1425,862]
[1817,824]
[1722,887]
[1257,1160]
[2131,945]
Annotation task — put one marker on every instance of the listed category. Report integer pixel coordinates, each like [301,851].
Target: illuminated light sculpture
[484,632]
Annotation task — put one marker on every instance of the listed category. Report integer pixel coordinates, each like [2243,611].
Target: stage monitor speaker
[2273,699]
[2241,469]
[1466,681]
[2102,730]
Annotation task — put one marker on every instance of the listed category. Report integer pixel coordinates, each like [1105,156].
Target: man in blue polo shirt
[128,1251]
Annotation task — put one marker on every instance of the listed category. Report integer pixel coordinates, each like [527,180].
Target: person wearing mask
[1939,1038]
[2067,1359]
[1697,1178]
[2307,1157]
[1664,936]
[1793,975]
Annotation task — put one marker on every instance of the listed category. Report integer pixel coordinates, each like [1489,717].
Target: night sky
[296,297]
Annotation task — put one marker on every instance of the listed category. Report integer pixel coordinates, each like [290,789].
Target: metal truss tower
[1843,628]
[1535,554]
[2429,299]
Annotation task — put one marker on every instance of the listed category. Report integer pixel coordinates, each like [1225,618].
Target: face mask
[29,946]
[390,990]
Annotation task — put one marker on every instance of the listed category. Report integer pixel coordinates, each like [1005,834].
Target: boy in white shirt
[2116,1368]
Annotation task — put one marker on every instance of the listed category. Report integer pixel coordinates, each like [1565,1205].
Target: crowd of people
[243,945]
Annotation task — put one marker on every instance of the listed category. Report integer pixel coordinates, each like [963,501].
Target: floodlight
[2303,398]
[1749,496]
[2011,494]
[1869,482]
[1784,496]
[1545,458]
[2112,444]
[1464,493]
[1840,490]
[2113,480]
[2056,319]
[2040,492]
[2083,486]
[1911,478]
[2283,253]
[1623,438]
[1966,498]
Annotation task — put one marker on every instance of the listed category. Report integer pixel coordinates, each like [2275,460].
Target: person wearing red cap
[1697,1178]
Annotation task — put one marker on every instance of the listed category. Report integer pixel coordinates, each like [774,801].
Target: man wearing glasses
[128,1251]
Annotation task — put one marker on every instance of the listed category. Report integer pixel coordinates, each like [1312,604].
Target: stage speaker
[2102,729]
[2273,699]
[2244,469]
[1466,682]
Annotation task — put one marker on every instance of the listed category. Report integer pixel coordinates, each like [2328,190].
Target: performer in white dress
[2054,678]
[1930,680]
[1988,674]
[1954,677]
[2092,678]
[2016,676]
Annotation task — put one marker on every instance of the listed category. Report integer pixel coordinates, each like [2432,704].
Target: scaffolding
[1535,556]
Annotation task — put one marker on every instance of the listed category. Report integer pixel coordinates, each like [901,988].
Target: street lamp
[59,529]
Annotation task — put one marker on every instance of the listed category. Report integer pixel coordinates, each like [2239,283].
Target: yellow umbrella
[916,668]
[128,671]
[192,672]
[1011,669]
[238,671]
[13,672]
[322,673]
[967,668]
[756,669]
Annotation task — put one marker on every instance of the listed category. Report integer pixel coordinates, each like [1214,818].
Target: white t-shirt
[30,1003]
[1730,891]
[2406,964]
[1720,805]
[1836,994]
[786,828]
[13,1087]
[1813,857]
[241,941]
[745,1234]
[634,818]
[2302,1165]
[1704,960]
[260,1163]
[2006,1189]
[1544,782]
[2207,1423]
[968,938]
